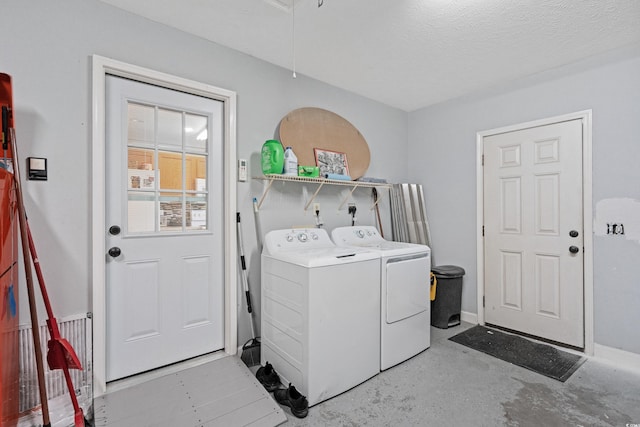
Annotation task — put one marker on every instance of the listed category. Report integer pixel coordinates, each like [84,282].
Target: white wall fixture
[618,217]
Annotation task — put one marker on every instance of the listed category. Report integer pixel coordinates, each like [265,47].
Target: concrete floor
[452,385]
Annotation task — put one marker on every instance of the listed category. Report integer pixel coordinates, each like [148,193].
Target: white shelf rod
[321,182]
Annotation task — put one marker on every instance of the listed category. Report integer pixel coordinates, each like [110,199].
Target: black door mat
[541,358]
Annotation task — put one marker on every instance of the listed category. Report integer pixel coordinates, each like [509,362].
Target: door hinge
[483,160]
[483,300]
[483,231]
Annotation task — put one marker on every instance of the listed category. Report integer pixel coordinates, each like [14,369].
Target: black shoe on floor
[268,377]
[293,399]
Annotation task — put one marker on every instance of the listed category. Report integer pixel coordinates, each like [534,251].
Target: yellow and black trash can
[446,295]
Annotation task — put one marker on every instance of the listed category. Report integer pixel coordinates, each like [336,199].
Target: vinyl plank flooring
[221,392]
[251,414]
[140,399]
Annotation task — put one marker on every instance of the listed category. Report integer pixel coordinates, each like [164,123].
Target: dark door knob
[115,252]
[573,233]
[574,249]
[114,230]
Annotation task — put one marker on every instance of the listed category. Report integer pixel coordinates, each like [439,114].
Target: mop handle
[243,264]
[256,217]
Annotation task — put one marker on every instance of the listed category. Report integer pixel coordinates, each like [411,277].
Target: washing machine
[320,312]
[404,289]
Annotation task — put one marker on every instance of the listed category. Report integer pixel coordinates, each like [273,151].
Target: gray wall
[442,156]
[47,48]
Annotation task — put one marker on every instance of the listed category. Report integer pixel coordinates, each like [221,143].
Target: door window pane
[140,159]
[141,208]
[169,128]
[171,213]
[196,168]
[196,132]
[141,123]
[197,213]
[170,166]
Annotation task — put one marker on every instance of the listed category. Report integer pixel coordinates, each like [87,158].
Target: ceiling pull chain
[293,36]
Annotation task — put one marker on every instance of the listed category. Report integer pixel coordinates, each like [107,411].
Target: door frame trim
[101,66]
[587,212]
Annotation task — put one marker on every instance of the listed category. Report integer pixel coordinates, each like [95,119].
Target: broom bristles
[251,353]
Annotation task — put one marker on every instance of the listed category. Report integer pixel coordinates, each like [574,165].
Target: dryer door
[407,286]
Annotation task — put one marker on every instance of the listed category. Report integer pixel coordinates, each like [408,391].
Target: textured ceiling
[407,53]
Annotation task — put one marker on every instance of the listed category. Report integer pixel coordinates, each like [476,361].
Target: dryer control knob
[360,233]
[289,238]
[303,237]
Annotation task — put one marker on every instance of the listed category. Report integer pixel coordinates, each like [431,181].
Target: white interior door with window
[164,219]
[533,226]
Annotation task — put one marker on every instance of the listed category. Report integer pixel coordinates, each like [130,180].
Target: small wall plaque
[37,168]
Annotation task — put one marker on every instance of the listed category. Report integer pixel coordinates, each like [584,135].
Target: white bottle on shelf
[290,162]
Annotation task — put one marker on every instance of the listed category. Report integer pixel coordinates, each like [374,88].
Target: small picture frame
[331,162]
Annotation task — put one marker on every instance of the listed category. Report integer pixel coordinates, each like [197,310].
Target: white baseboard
[465,316]
[620,358]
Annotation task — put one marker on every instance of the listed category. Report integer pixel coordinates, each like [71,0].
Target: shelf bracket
[349,196]
[377,201]
[264,194]
[314,196]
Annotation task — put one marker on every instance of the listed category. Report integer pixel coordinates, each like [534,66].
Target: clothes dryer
[404,288]
[320,312]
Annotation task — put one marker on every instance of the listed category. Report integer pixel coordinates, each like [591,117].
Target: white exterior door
[533,228]
[164,215]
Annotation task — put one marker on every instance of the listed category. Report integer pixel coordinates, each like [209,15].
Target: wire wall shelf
[271,178]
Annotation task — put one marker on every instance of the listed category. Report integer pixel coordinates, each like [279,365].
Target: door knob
[574,249]
[573,233]
[114,230]
[115,252]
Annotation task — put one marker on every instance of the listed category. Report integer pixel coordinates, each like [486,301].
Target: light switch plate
[37,168]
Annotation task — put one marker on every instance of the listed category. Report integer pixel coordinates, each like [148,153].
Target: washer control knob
[314,236]
[289,238]
[360,233]
[302,237]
